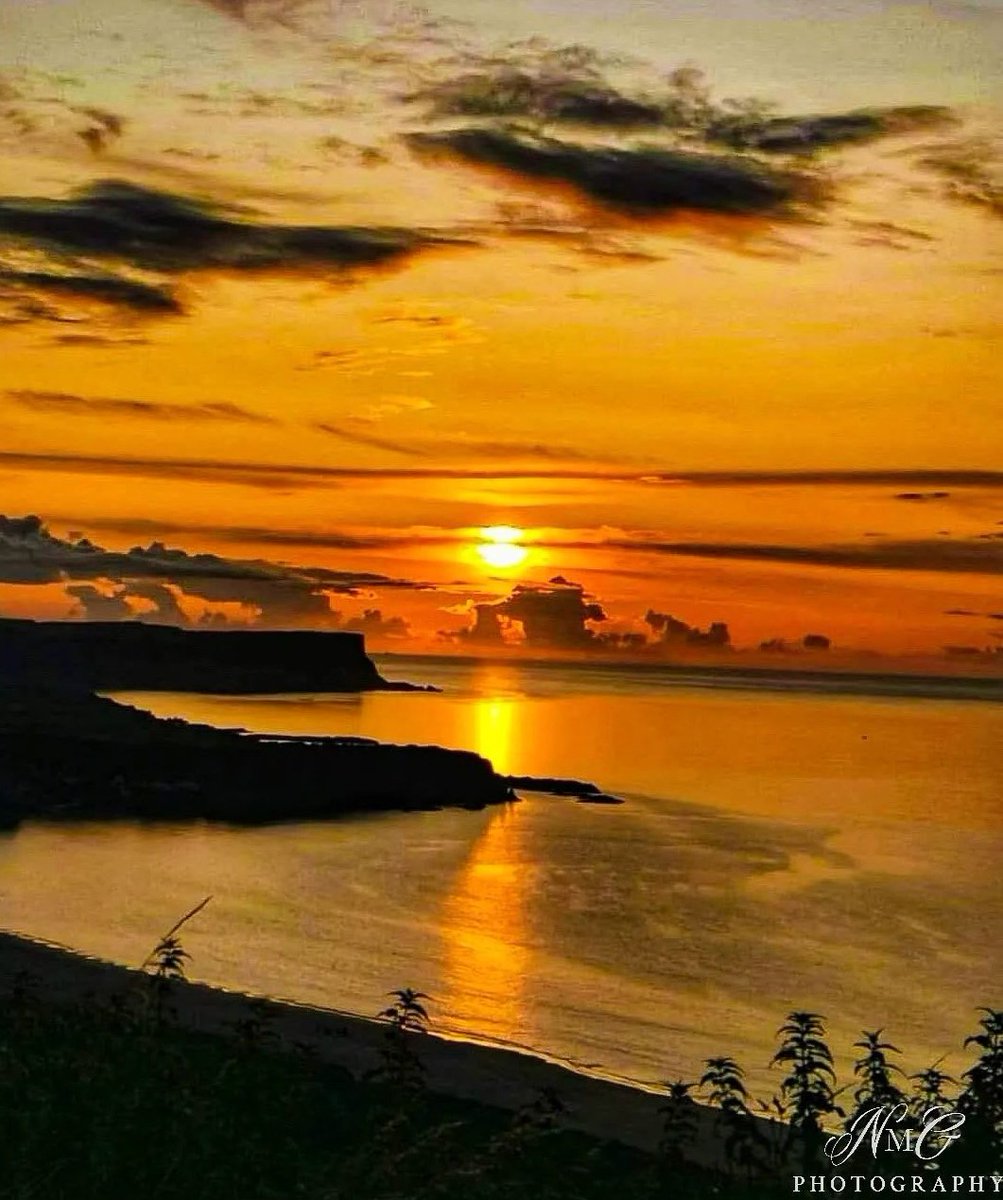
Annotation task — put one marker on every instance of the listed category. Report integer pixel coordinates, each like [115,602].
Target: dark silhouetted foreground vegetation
[100,1101]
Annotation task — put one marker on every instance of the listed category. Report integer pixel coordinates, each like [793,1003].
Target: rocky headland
[67,754]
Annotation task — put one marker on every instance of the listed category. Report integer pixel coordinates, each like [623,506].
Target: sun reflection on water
[486,958]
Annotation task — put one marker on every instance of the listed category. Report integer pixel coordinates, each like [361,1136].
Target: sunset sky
[324,290]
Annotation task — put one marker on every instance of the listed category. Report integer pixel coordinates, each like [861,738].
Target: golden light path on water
[775,851]
[482,917]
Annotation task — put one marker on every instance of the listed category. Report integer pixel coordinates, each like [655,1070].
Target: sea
[785,842]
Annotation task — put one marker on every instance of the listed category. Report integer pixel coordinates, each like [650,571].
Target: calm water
[777,849]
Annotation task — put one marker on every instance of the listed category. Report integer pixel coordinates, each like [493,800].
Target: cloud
[105,341]
[964,556]
[160,603]
[257,534]
[551,93]
[672,632]
[286,475]
[922,496]
[359,438]
[278,594]
[115,290]
[745,129]
[163,231]
[456,446]
[971,171]
[552,616]
[637,181]
[94,605]
[568,86]
[374,625]
[866,477]
[106,127]
[66,404]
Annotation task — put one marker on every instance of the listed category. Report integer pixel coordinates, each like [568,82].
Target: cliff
[68,755]
[133,656]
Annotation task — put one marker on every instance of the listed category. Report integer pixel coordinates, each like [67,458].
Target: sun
[500,547]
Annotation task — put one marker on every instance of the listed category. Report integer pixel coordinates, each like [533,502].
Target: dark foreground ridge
[135,656]
[67,754]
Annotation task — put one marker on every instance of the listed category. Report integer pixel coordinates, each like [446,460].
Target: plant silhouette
[929,1090]
[874,1073]
[165,964]
[679,1126]
[807,1091]
[982,1098]
[743,1142]
[407,1017]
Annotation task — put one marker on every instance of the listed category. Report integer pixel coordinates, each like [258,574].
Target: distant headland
[136,656]
[67,753]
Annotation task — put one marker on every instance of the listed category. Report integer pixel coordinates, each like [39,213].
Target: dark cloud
[670,631]
[352,152]
[31,554]
[359,438]
[456,446]
[257,534]
[639,181]
[116,290]
[375,626]
[920,496]
[971,173]
[98,339]
[551,93]
[94,605]
[825,477]
[105,128]
[195,470]
[545,85]
[965,556]
[487,628]
[160,231]
[286,475]
[744,128]
[67,404]
[552,616]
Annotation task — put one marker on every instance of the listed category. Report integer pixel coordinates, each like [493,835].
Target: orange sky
[625,385]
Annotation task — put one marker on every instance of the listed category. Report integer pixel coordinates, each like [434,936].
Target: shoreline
[508,1078]
[67,755]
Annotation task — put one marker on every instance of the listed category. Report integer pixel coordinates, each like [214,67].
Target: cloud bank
[157,574]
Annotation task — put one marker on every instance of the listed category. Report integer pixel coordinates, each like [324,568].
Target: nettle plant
[761,1139]
[808,1090]
[982,1098]
[406,1017]
[875,1074]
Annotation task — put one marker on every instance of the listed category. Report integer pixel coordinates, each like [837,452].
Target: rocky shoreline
[69,755]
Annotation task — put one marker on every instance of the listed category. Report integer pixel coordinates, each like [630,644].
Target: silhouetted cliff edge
[68,755]
[132,655]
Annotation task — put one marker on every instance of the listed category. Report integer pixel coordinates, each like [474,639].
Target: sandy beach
[503,1078]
